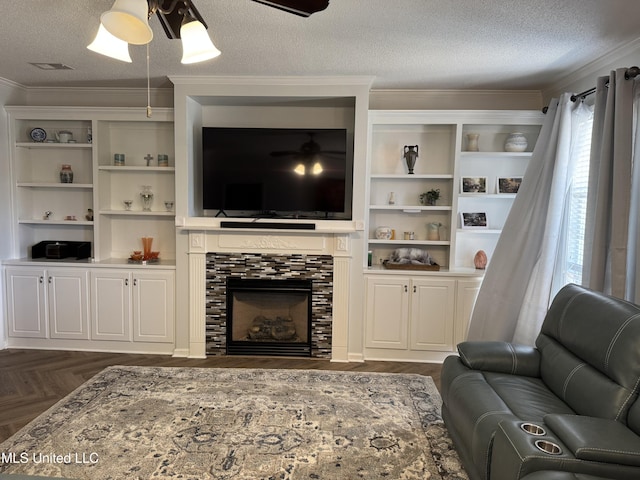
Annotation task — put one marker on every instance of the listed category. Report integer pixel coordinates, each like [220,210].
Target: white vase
[472,142]
[516,142]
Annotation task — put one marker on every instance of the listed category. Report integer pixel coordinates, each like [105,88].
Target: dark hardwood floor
[31,381]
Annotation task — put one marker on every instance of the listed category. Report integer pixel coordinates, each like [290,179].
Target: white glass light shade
[196,44]
[317,168]
[128,20]
[300,170]
[107,44]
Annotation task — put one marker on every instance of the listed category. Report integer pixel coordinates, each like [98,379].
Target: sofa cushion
[528,398]
[589,355]
[481,400]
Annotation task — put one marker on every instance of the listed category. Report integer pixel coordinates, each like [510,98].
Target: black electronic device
[58,249]
[277,173]
[269,225]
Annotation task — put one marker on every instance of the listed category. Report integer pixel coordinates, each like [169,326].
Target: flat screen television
[277,173]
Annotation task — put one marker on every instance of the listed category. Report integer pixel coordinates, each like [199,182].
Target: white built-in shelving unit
[104,302]
[421,315]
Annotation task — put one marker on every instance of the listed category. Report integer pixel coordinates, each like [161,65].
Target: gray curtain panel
[519,280]
[611,236]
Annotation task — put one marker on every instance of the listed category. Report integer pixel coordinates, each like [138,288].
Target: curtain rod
[631,72]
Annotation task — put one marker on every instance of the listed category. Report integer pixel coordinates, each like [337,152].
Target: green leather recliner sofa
[569,405]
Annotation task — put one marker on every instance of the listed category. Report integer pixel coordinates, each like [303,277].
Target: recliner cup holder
[533,429]
[548,447]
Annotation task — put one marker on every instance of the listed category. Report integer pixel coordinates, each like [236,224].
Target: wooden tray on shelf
[410,266]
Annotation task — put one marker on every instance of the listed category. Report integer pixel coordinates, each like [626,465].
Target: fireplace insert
[269,317]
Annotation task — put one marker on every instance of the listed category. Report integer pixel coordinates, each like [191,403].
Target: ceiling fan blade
[332,152]
[304,8]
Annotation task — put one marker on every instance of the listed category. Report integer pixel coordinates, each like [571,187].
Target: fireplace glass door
[268,317]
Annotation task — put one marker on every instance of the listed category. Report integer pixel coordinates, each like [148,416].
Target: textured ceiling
[429,44]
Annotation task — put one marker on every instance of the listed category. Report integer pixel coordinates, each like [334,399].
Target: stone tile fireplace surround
[317,268]
[324,257]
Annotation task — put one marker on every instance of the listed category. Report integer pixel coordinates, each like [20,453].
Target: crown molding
[329,80]
[11,84]
[593,69]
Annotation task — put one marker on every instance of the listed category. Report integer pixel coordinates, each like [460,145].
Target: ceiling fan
[309,156]
[304,8]
[308,149]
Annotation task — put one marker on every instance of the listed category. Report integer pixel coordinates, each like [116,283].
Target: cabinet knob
[406,289]
[126,282]
[50,279]
[135,282]
[414,289]
[41,279]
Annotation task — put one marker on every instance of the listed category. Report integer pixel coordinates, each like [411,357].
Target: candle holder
[147,198]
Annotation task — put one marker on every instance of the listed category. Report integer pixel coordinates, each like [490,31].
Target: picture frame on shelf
[508,184]
[473,185]
[474,220]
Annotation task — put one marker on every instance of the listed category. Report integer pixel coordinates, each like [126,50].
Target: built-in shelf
[411,208]
[410,242]
[136,168]
[53,145]
[406,176]
[481,231]
[70,186]
[142,213]
[496,154]
[72,223]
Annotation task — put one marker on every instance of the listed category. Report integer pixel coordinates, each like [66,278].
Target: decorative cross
[148,158]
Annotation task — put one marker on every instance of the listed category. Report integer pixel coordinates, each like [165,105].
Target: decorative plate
[38,135]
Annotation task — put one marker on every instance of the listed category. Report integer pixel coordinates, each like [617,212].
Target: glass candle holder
[147,198]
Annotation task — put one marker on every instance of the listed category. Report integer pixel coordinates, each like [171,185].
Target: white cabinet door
[68,305]
[153,306]
[110,305]
[432,314]
[387,313]
[26,304]
[465,301]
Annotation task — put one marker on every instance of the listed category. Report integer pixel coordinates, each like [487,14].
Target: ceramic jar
[516,142]
[472,142]
[433,231]
[66,174]
[383,233]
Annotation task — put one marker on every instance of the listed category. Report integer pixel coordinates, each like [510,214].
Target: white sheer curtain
[525,271]
[612,235]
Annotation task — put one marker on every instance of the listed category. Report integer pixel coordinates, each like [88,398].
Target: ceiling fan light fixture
[128,20]
[300,170]
[110,46]
[317,168]
[196,44]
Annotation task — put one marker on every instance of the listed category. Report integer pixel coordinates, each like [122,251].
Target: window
[577,198]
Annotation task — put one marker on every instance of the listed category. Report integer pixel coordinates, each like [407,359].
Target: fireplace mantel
[201,242]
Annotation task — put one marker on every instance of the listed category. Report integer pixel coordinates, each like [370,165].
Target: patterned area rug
[197,423]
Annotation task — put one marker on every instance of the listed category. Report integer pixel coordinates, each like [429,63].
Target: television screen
[276,172]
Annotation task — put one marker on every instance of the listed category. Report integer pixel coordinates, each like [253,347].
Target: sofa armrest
[596,439]
[501,357]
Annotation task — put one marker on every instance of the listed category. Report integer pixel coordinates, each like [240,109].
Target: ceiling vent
[51,66]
